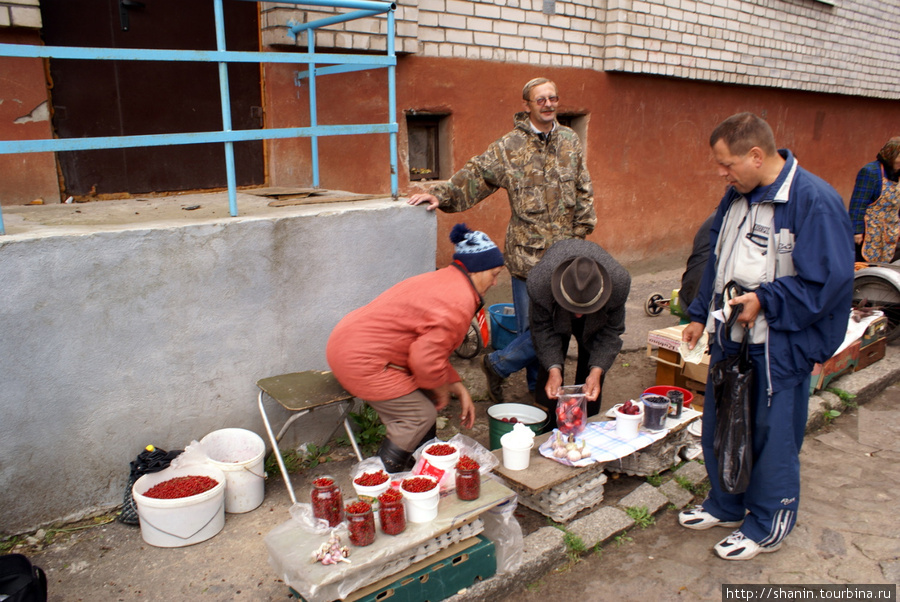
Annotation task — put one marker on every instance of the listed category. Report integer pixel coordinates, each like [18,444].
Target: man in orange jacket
[394,353]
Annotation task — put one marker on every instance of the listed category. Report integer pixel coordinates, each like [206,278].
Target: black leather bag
[21,581]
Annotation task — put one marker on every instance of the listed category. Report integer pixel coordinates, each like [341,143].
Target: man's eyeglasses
[542,101]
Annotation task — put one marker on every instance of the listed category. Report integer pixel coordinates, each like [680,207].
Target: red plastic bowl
[663,389]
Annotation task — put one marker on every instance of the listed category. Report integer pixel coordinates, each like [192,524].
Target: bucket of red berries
[441,455]
[421,496]
[180,506]
[370,484]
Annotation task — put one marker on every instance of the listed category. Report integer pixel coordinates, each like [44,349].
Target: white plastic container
[181,521]
[370,493]
[239,454]
[421,507]
[447,462]
[516,449]
[628,425]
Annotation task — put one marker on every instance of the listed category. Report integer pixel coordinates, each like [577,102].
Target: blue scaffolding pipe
[338,63]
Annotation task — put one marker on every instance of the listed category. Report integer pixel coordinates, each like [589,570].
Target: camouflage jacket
[550,191]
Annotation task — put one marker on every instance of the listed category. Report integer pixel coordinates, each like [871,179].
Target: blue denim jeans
[520,351]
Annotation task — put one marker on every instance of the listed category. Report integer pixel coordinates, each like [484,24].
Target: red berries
[632,409]
[418,484]
[441,449]
[371,479]
[512,420]
[570,414]
[180,487]
[467,463]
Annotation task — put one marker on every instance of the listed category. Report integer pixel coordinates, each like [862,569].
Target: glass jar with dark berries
[468,479]
[361,522]
[391,513]
[327,502]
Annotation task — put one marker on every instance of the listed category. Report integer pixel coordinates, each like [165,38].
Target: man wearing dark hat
[577,289]
[394,353]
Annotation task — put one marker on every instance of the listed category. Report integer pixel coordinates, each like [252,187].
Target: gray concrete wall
[112,338]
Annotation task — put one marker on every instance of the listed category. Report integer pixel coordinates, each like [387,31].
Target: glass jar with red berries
[327,502]
[468,479]
[361,522]
[391,513]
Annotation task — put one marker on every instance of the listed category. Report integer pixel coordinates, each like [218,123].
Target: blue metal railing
[337,63]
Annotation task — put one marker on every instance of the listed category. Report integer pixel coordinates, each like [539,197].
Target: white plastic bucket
[421,507]
[239,454]
[628,425]
[183,521]
[515,458]
[445,463]
[370,493]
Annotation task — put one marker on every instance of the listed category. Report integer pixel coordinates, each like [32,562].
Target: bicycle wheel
[877,293]
[472,344]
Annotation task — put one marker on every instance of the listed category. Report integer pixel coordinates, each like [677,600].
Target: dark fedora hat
[580,285]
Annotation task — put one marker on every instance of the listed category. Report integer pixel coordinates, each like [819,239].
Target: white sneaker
[699,519]
[738,547]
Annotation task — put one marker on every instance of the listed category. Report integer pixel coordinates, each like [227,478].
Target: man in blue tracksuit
[782,234]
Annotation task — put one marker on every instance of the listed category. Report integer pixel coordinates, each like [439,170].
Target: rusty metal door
[94,98]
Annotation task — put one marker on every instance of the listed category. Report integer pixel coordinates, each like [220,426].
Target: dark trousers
[582,369]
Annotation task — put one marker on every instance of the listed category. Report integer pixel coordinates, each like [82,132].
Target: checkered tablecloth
[605,446]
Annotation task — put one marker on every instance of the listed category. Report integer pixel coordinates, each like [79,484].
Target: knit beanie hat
[474,249]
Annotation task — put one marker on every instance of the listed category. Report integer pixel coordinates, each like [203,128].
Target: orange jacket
[402,340]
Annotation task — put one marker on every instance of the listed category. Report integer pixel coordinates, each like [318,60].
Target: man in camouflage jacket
[541,165]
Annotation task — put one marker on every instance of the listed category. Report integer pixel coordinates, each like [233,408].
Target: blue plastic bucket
[503,324]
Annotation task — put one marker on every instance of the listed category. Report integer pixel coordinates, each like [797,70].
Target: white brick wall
[20,13]
[847,48]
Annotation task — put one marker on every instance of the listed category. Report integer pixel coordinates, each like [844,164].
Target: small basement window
[577,123]
[427,147]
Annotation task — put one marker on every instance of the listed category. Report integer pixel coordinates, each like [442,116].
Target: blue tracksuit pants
[772,499]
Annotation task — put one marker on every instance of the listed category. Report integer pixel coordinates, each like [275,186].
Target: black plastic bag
[21,581]
[148,461]
[732,379]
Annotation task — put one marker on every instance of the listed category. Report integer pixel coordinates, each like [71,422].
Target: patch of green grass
[293,462]
[574,545]
[9,543]
[641,516]
[845,396]
[655,479]
[534,585]
[830,415]
[701,488]
[622,538]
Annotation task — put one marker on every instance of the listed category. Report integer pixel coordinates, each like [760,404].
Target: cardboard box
[666,338]
[697,372]
[841,363]
[671,369]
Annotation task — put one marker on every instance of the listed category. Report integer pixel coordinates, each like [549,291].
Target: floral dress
[883,223]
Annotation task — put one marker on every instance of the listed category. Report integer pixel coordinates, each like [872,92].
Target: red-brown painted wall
[28,176]
[647,140]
